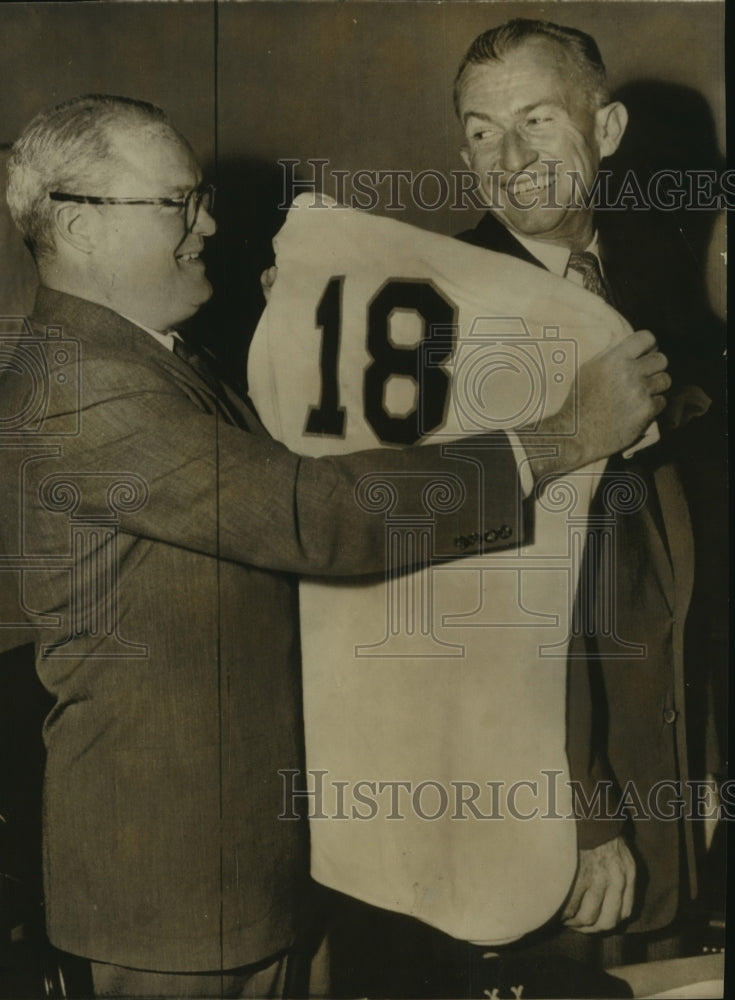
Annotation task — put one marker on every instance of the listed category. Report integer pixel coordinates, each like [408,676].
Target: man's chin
[537,224]
[187,309]
[202,294]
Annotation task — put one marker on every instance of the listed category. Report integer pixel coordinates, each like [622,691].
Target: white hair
[70,148]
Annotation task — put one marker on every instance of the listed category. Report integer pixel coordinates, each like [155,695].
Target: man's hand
[618,394]
[602,894]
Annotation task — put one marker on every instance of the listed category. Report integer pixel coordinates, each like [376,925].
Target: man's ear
[75,225]
[610,123]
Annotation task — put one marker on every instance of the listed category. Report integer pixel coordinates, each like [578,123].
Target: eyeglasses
[190,203]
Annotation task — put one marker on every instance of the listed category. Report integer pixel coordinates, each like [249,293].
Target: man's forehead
[531,66]
[152,155]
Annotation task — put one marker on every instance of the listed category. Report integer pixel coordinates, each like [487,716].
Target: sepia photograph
[364,516]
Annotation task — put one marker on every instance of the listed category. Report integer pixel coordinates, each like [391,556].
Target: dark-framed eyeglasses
[190,203]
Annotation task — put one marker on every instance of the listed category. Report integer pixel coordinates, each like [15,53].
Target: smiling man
[537,125]
[531,97]
[533,102]
[158,276]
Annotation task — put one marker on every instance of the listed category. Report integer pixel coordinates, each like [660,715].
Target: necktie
[201,367]
[196,361]
[587,265]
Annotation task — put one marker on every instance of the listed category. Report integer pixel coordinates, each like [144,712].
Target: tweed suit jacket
[627,712]
[159,530]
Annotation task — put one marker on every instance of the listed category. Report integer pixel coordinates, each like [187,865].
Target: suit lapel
[101,326]
[657,549]
[247,417]
[678,533]
[676,556]
[671,545]
[222,399]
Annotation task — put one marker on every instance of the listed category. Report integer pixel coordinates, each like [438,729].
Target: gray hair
[582,49]
[70,148]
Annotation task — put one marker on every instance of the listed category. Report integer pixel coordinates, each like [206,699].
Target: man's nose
[204,224]
[516,153]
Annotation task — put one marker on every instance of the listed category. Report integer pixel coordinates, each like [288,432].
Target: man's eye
[485,134]
[539,120]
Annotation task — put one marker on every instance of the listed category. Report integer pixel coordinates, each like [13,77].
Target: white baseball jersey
[434,701]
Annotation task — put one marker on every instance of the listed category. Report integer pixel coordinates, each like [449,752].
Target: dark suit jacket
[158,527]
[626,715]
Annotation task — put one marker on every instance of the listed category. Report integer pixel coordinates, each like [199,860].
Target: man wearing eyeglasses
[157,531]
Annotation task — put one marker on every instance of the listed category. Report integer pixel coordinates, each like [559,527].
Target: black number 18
[422,361]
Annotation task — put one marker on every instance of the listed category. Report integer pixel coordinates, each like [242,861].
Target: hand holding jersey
[453,678]
[619,392]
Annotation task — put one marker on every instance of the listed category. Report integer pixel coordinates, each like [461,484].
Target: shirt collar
[166,339]
[555,258]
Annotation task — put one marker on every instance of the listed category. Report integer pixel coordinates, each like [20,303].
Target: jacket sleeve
[197,482]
